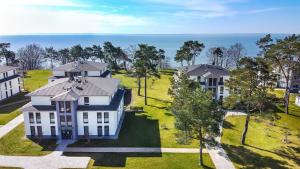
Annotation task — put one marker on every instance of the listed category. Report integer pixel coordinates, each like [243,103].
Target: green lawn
[10,112]
[36,78]
[152,128]
[33,80]
[145,160]
[15,143]
[264,143]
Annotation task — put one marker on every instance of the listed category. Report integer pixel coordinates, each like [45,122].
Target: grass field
[146,161]
[152,128]
[15,143]
[32,81]
[264,143]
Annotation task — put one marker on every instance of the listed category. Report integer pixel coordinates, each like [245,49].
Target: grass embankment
[146,161]
[15,143]
[265,147]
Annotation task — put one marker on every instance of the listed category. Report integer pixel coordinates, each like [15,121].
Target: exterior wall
[297,101]
[95,100]
[92,122]
[59,73]
[14,87]
[45,123]
[40,100]
[9,73]
[93,73]
[204,83]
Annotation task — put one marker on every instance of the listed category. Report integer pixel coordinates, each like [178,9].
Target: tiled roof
[201,69]
[115,103]
[81,66]
[89,86]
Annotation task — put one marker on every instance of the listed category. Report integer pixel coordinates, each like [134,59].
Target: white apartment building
[10,82]
[210,77]
[294,82]
[84,107]
[81,68]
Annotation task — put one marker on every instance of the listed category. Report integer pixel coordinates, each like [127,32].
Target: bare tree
[235,53]
[31,57]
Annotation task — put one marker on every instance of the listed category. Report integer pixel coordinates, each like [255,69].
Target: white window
[106,117]
[99,117]
[86,100]
[85,117]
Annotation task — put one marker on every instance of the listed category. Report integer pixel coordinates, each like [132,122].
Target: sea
[168,42]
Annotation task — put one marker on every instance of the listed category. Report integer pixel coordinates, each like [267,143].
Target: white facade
[10,84]
[218,88]
[45,123]
[75,116]
[297,101]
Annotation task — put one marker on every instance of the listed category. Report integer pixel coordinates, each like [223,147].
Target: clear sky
[149,16]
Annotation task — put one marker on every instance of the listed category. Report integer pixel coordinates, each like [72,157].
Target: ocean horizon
[169,42]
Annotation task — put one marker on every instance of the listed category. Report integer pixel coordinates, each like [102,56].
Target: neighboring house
[10,82]
[294,82]
[210,77]
[88,107]
[297,100]
[81,68]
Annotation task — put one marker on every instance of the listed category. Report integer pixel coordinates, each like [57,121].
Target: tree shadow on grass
[287,152]
[227,125]
[160,100]
[46,144]
[290,152]
[158,107]
[112,159]
[251,160]
[138,130]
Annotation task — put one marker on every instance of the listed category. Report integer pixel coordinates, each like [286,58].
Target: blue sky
[149,16]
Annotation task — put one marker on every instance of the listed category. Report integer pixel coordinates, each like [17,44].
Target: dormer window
[86,100]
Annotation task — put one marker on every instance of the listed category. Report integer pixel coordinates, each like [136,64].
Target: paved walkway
[217,153]
[55,160]
[132,150]
[11,125]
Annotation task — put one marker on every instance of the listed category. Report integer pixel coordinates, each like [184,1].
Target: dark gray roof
[114,104]
[81,66]
[6,68]
[30,107]
[201,69]
[9,78]
[69,95]
[89,86]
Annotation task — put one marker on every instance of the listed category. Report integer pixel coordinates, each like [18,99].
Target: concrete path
[11,125]
[132,150]
[55,160]
[217,153]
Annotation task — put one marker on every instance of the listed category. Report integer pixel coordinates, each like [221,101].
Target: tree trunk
[181,63]
[51,60]
[286,97]
[245,128]
[125,67]
[194,60]
[145,89]
[139,86]
[201,147]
